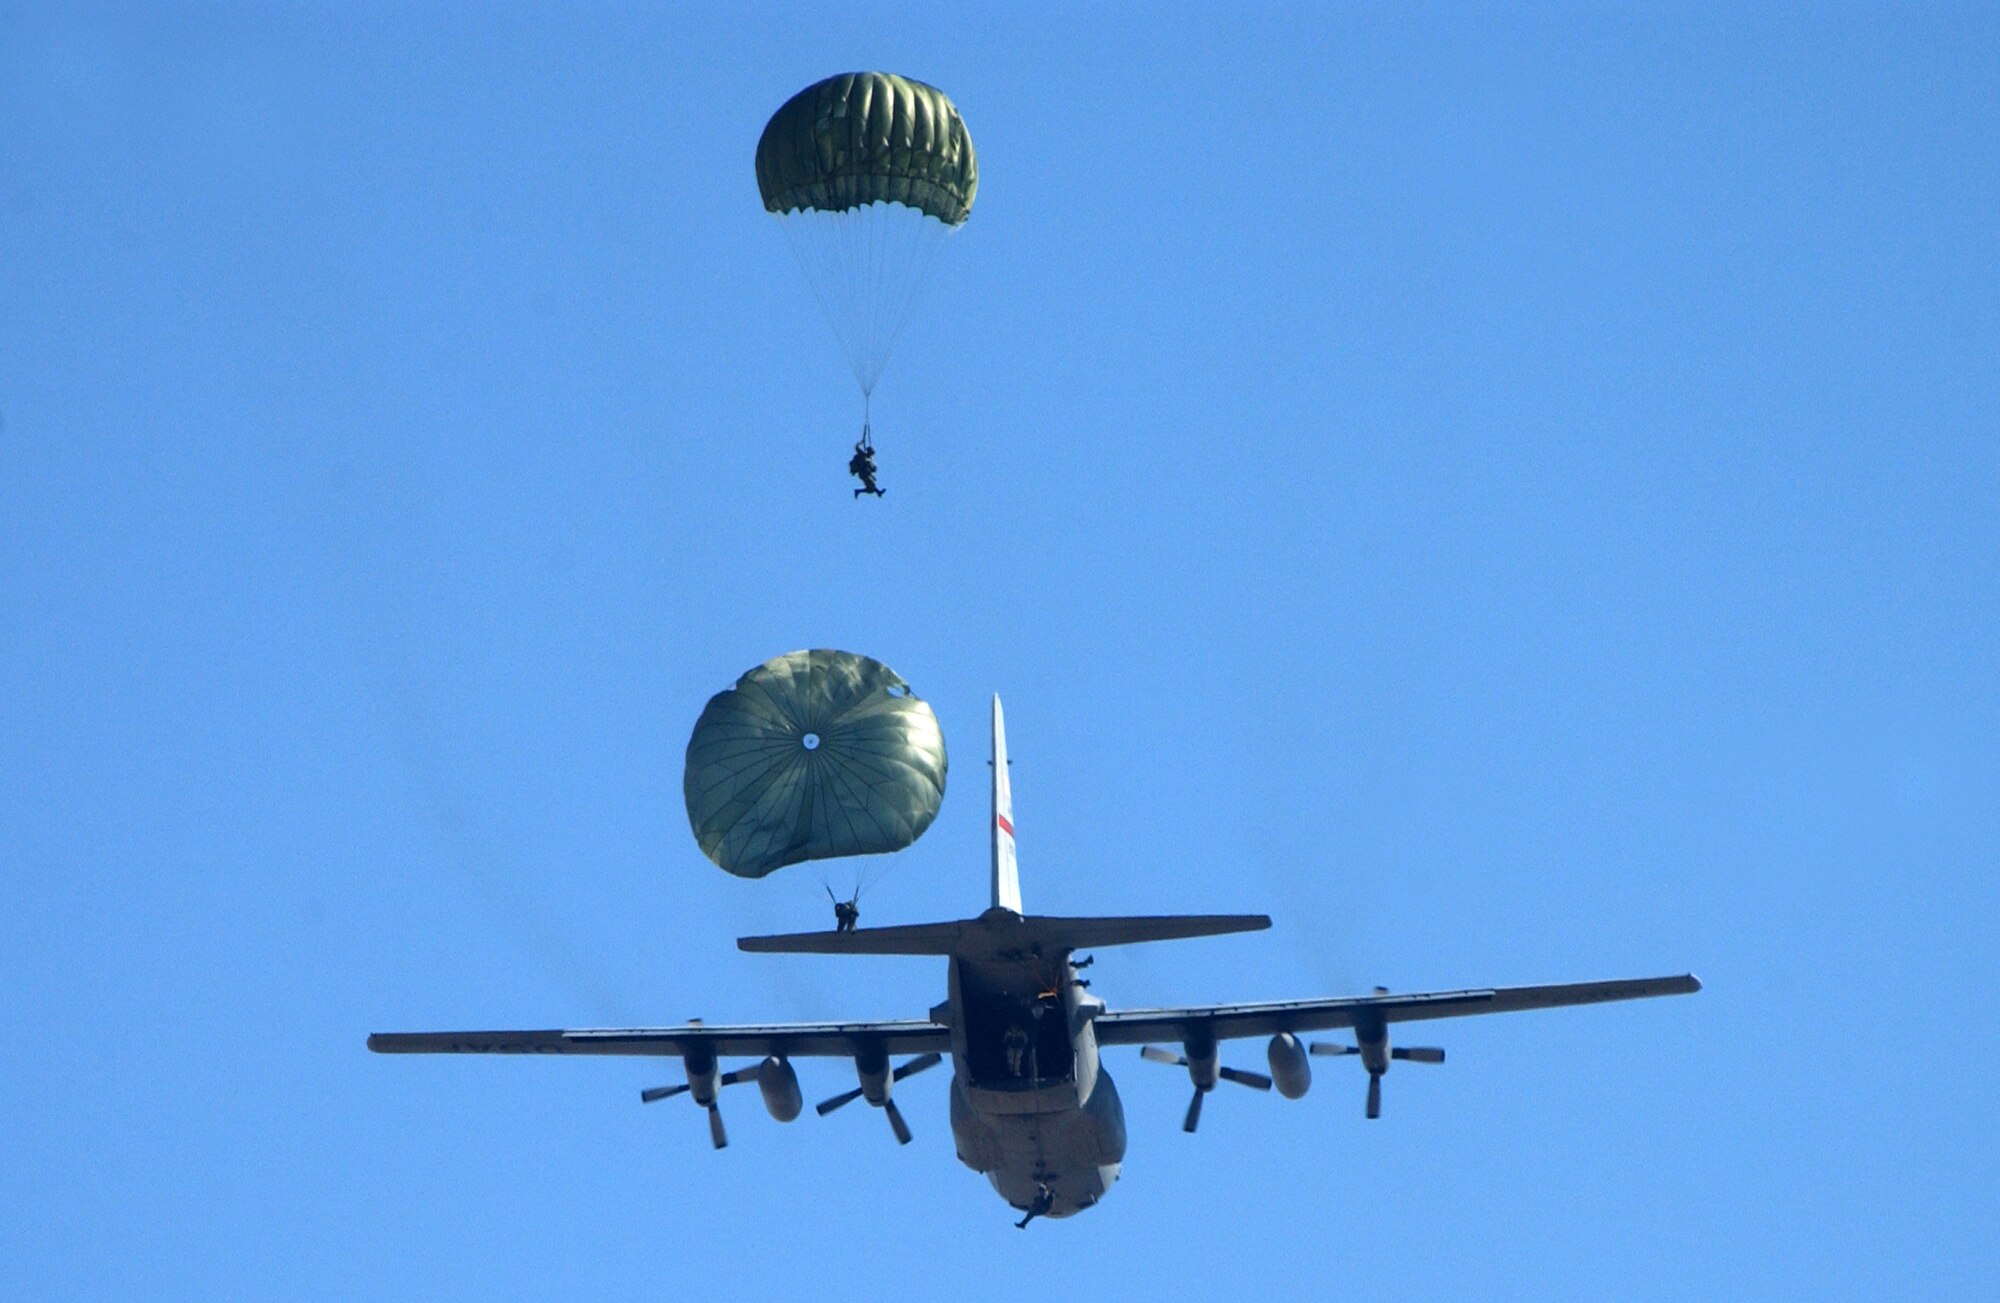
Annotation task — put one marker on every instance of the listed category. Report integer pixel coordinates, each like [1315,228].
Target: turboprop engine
[871,1065]
[1199,1058]
[1371,1042]
[775,1080]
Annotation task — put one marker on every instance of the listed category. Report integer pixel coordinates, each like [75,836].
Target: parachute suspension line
[865,877]
[816,244]
[918,254]
[865,266]
[869,871]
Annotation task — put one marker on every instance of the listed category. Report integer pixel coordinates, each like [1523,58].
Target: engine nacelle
[1290,1071]
[1374,1052]
[703,1081]
[779,1086]
[871,1065]
[1202,1059]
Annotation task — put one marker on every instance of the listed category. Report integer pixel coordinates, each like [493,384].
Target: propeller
[896,1123]
[716,1131]
[1409,1053]
[1254,1080]
[888,1104]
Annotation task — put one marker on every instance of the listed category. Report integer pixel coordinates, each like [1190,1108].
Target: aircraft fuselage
[1032,1107]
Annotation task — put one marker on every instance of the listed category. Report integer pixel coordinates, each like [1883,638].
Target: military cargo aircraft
[1032,1107]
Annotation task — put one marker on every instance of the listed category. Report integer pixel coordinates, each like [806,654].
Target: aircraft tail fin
[1006,875]
[1003,931]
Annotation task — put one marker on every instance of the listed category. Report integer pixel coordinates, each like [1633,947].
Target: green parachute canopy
[812,755]
[867,138]
[867,172]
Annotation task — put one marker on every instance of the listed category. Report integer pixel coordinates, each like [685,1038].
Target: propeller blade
[1418,1054]
[828,1106]
[1254,1080]
[896,1123]
[1374,1096]
[741,1074]
[916,1065]
[1320,1047]
[658,1093]
[1155,1054]
[1193,1113]
[715,1131]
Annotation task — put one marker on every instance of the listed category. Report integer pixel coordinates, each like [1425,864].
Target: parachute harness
[846,913]
[862,464]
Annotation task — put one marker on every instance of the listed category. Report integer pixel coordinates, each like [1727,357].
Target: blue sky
[1514,497]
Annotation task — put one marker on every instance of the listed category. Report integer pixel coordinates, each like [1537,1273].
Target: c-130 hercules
[1032,1107]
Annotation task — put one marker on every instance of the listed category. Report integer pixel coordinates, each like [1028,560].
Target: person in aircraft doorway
[1016,1041]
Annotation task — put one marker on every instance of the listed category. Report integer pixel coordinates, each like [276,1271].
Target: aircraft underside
[1032,1108]
[1054,1164]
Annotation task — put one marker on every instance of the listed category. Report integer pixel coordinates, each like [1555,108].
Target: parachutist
[862,467]
[846,913]
[867,173]
[1016,1042]
[1045,1199]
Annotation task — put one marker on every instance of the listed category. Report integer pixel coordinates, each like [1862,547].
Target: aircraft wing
[1224,1021]
[795,1040]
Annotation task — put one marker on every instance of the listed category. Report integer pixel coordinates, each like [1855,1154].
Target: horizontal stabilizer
[1003,933]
